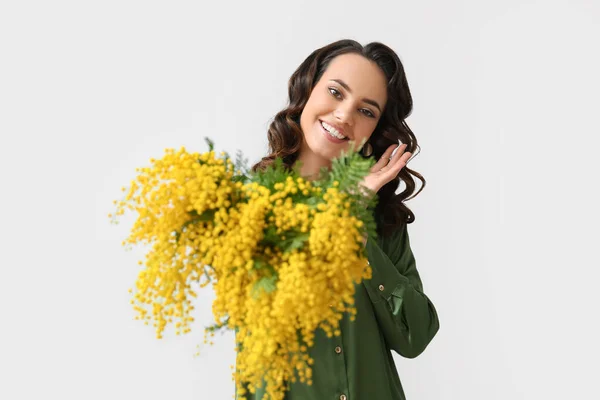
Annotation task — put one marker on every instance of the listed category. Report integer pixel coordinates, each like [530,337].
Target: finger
[396,157]
[384,159]
[396,165]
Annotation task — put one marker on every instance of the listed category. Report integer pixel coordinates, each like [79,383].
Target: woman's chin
[329,153]
[325,149]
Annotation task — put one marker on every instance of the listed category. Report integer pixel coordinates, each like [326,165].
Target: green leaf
[272,174]
[207,215]
[211,144]
[240,178]
[270,237]
[349,169]
[262,264]
[267,284]
[294,242]
[259,264]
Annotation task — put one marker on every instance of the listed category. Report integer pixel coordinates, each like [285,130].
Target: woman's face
[350,96]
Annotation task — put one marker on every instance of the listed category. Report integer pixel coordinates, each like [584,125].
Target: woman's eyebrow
[345,86]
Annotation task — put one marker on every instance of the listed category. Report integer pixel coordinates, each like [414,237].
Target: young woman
[343,92]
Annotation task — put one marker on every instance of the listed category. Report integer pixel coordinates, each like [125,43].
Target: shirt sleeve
[406,316]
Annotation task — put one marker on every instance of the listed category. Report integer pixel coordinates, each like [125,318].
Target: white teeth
[334,132]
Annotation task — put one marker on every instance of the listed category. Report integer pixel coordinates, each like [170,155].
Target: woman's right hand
[386,168]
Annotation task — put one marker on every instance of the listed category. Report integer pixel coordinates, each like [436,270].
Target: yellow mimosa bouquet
[282,253]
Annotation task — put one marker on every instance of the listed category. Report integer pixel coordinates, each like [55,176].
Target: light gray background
[506,232]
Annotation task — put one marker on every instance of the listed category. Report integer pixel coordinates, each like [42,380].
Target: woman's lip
[328,136]
[335,126]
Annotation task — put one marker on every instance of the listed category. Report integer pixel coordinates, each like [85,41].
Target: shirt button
[381,288]
[338,349]
[343,397]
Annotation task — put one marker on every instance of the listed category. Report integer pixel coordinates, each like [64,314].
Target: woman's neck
[311,163]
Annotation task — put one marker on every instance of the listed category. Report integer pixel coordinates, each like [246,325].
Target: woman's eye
[368,113]
[333,91]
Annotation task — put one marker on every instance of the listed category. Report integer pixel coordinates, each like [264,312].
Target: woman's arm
[406,316]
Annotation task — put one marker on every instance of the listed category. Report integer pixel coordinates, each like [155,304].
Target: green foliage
[267,284]
[293,241]
[210,143]
[349,170]
[217,326]
[272,174]
[262,264]
[270,238]
[241,163]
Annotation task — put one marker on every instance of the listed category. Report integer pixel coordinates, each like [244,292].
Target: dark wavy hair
[285,135]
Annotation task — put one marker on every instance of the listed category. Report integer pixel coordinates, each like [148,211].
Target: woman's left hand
[383,171]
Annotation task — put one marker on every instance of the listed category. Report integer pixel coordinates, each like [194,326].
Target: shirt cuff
[385,280]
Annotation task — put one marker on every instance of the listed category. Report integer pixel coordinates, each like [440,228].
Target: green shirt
[393,313]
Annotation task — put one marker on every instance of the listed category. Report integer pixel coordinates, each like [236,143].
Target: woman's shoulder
[387,233]
[394,240]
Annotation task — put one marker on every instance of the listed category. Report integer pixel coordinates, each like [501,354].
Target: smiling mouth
[332,131]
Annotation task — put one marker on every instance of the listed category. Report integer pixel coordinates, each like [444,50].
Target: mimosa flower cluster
[283,254]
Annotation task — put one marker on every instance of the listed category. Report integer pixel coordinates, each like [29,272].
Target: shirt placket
[340,362]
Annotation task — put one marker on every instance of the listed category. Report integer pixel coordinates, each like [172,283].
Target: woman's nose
[343,114]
